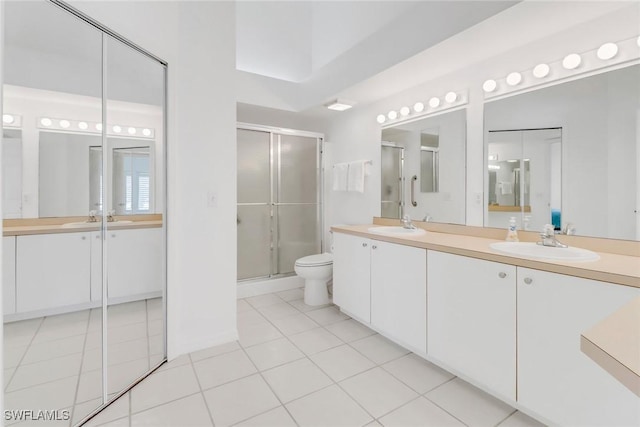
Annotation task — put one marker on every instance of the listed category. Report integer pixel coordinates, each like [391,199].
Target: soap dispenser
[512,232]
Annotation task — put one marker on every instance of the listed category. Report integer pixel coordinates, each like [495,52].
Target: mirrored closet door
[83,173]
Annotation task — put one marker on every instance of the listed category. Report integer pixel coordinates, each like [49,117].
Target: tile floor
[306,366]
[55,362]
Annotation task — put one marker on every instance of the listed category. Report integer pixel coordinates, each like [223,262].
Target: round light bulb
[607,51]
[83,125]
[541,70]
[147,132]
[45,121]
[381,118]
[99,127]
[404,111]
[571,61]
[132,131]
[451,97]
[434,102]
[514,78]
[418,107]
[117,129]
[64,124]
[489,85]
[392,115]
[7,119]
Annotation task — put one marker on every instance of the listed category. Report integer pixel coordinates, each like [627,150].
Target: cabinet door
[399,293]
[555,379]
[351,275]
[96,266]
[135,260]
[472,319]
[52,270]
[9,274]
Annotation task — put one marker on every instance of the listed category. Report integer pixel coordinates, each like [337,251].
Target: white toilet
[316,270]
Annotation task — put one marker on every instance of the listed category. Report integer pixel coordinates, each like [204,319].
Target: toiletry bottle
[512,233]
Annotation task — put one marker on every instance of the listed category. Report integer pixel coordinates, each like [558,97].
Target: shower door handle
[414,178]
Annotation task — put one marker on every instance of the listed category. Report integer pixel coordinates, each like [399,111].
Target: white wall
[1,112]
[356,134]
[197,39]
[257,115]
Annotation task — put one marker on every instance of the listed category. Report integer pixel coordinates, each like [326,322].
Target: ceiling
[294,55]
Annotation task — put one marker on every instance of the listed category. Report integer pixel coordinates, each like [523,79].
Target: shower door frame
[274,133]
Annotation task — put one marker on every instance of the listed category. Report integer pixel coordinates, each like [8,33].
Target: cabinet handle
[528,280]
[97,236]
[84,237]
[502,275]
[364,245]
[374,247]
[113,235]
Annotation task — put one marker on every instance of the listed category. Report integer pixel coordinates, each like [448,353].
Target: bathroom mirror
[524,176]
[423,164]
[592,162]
[68,186]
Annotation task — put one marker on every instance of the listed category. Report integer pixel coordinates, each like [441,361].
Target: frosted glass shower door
[391,189]
[254,204]
[297,199]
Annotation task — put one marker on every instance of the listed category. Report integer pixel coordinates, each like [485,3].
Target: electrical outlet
[479,198]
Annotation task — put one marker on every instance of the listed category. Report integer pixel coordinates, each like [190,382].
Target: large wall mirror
[423,169]
[567,155]
[83,175]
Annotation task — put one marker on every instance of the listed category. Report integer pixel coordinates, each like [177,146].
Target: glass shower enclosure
[279,201]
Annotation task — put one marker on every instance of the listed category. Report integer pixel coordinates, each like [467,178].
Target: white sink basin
[533,250]
[92,224]
[397,231]
[80,224]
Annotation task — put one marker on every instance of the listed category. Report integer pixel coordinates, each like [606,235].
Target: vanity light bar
[11,121]
[433,105]
[574,64]
[94,127]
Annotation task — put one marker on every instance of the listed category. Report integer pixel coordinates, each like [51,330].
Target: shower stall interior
[392,163]
[279,210]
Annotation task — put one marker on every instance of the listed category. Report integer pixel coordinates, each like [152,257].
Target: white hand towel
[340,174]
[355,180]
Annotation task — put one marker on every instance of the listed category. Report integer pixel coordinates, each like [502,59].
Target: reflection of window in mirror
[95,179]
[131,181]
[11,173]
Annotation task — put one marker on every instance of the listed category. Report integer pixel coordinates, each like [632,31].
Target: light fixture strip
[86,126]
[608,55]
[429,106]
[11,121]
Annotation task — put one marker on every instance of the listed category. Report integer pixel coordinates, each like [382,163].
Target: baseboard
[267,286]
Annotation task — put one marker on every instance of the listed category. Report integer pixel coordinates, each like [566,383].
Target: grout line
[84,345]
[506,418]
[28,346]
[195,374]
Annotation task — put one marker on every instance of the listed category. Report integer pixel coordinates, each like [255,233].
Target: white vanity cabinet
[52,270]
[352,275]
[135,262]
[382,284]
[399,294]
[472,319]
[555,379]
[9,274]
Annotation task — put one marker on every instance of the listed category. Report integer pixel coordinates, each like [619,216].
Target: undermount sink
[534,250]
[397,231]
[92,224]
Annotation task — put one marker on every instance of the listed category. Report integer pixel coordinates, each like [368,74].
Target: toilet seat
[315,260]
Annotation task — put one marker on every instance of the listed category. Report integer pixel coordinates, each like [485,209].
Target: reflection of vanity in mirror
[566,155]
[423,169]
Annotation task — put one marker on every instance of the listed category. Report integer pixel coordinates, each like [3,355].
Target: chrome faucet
[92,216]
[406,222]
[110,215]
[427,218]
[548,237]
